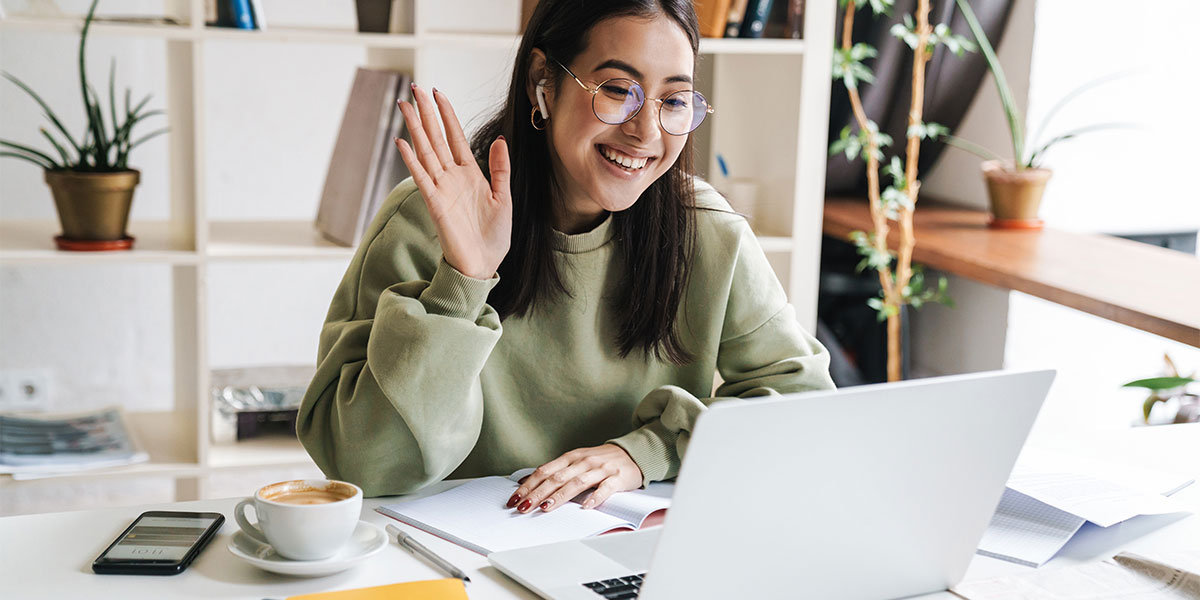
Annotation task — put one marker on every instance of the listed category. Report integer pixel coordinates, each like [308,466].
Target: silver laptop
[877,491]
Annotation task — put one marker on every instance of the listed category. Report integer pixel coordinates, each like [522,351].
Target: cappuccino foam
[306,497]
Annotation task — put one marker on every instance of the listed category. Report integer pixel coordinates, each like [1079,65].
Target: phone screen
[160,538]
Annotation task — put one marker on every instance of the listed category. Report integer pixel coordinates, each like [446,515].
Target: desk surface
[1152,289]
[50,555]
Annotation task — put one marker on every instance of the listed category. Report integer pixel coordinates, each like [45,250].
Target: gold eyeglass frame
[593,91]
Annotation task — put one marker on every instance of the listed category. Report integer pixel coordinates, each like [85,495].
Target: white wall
[1124,181]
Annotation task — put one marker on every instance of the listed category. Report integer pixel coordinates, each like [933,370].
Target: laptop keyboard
[620,588]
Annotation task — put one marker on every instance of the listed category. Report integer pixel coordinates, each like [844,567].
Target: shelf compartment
[32,242]
[271,240]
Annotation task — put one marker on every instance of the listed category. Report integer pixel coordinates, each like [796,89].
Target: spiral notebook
[473,515]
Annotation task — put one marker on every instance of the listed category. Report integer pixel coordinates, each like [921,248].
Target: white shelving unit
[770,125]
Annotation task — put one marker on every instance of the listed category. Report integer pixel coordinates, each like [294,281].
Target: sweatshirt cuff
[453,294]
[652,447]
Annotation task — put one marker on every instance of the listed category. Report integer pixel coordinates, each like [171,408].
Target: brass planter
[93,207]
[1015,195]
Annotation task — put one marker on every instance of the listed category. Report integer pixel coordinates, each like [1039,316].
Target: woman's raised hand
[473,218]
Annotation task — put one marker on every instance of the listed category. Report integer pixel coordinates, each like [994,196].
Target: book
[712,15]
[243,18]
[473,515]
[41,444]
[256,12]
[733,23]
[795,20]
[364,166]
[755,22]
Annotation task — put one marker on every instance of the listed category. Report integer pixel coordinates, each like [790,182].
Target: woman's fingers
[432,128]
[419,175]
[459,147]
[500,167]
[572,488]
[420,141]
[606,488]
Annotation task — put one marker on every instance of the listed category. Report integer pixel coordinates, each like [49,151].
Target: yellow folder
[435,589]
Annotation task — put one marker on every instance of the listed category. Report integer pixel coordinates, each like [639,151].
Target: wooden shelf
[32,242]
[1142,286]
[759,46]
[273,451]
[271,240]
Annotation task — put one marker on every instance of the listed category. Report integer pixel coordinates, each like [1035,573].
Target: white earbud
[541,98]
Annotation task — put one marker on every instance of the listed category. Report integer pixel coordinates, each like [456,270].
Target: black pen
[412,544]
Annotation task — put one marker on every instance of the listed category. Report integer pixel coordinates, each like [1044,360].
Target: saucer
[366,541]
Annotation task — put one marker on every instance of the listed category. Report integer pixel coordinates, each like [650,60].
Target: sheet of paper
[1125,576]
[1091,492]
[1027,531]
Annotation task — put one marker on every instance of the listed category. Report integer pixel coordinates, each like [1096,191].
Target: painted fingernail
[525,506]
[547,504]
[501,138]
[414,85]
[514,500]
[435,91]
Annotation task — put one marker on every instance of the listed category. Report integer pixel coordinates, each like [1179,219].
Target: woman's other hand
[473,218]
[606,467]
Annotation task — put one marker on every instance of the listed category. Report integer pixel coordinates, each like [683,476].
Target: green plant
[102,148]
[1171,386]
[901,283]
[1023,158]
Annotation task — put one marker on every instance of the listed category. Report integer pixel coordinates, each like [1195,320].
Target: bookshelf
[772,100]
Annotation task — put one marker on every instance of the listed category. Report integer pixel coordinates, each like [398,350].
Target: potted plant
[1171,386]
[89,179]
[1015,186]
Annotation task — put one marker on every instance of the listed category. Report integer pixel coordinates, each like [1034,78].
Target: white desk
[50,555]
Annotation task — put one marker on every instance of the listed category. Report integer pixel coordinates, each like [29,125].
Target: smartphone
[159,542]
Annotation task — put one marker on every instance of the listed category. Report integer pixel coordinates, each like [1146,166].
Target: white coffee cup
[303,519]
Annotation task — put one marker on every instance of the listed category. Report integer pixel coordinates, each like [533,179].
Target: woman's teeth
[625,161]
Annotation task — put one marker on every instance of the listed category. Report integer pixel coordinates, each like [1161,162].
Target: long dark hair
[655,237]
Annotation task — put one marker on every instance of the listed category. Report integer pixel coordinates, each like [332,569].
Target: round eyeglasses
[619,100]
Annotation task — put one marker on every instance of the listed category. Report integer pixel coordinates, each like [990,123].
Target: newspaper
[1126,576]
[62,443]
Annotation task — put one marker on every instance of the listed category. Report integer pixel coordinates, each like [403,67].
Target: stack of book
[34,446]
[751,18]
[365,165]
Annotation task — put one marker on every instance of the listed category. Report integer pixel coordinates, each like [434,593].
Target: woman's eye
[675,104]
[615,90]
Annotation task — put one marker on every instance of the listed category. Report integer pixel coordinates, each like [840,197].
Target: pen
[413,545]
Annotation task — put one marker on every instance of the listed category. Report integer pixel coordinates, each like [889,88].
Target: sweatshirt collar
[586,241]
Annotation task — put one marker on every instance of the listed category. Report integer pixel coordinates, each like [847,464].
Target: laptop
[876,491]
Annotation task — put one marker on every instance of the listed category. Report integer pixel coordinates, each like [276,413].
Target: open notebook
[473,515]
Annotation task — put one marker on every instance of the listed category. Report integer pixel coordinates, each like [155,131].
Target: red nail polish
[414,85]
[435,91]
[547,504]
[514,500]
[502,138]
[526,505]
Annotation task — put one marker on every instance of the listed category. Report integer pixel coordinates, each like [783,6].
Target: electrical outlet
[25,390]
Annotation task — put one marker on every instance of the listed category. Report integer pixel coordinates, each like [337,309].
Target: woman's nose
[644,125]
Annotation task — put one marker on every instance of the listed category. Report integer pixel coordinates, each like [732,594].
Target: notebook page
[635,506]
[474,516]
[1027,531]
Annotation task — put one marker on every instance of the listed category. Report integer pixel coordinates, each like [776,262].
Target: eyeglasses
[619,100]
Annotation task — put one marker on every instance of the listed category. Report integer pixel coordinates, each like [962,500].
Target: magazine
[66,442]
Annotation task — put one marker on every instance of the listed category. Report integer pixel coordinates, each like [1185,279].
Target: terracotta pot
[1015,195]
[93,207]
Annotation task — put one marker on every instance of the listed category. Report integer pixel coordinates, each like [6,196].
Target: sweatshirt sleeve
[396,403]
[763,351]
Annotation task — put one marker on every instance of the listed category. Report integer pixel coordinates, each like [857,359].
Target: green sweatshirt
[418,380]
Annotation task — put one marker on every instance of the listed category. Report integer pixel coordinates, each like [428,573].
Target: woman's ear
[537,82]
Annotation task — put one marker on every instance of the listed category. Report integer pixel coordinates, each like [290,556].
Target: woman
[488,324]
